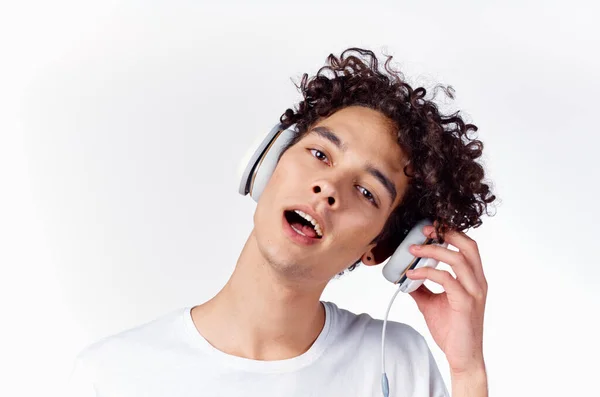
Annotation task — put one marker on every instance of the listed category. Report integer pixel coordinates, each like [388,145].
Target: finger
[455,291]
[422,295]
[467,246]
[463,271]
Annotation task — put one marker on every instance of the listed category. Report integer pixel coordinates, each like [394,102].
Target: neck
[259,314]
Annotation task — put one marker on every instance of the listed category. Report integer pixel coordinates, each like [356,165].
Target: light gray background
[122,125]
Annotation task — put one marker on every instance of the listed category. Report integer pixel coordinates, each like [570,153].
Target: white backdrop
[121,127]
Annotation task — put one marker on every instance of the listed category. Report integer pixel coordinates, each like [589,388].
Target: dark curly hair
[446,183]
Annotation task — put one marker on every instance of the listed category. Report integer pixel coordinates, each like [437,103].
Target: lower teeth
[299,231]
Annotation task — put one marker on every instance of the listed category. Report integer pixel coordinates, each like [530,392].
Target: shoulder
[409,362]
[162,332]
[399,336]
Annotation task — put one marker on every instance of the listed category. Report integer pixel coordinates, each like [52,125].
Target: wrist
[474,373]
[475,368]
[470,383]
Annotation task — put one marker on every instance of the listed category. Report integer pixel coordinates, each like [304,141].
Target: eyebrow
[328,134]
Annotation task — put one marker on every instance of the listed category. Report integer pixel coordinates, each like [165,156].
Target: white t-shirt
[168,357]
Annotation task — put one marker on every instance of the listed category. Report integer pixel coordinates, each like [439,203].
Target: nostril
[317,189]
[331,200]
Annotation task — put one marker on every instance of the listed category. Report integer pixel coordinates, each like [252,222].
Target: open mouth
[301,225]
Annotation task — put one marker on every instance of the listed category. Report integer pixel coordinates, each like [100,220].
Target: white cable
[384,380]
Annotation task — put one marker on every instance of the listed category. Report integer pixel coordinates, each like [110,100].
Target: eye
[369,196]
[317,156]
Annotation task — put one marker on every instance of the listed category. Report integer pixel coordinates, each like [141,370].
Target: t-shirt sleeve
[437,387]
[79,382]
[418,368]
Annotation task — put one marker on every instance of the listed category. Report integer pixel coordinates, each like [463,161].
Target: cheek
[277,180]
[358,229]
[288,173]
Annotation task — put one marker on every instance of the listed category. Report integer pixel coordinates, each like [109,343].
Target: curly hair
[445,182]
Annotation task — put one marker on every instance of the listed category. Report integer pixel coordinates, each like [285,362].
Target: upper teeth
[311,220]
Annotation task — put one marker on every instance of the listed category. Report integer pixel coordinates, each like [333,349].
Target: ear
[377,253]
[369,258]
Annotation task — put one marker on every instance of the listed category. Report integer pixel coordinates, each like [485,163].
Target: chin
[284,263]
[282,256]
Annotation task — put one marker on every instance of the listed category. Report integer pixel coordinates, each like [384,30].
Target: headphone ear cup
[268,162]
[260,161]
[402,259]
[249,160]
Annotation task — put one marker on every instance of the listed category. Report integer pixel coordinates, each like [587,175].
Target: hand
[454,317]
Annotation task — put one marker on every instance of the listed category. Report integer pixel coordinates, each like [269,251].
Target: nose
[326,190]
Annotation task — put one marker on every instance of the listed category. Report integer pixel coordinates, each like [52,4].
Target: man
[370,158]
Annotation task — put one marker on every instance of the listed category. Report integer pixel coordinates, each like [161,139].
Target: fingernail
[416,247]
